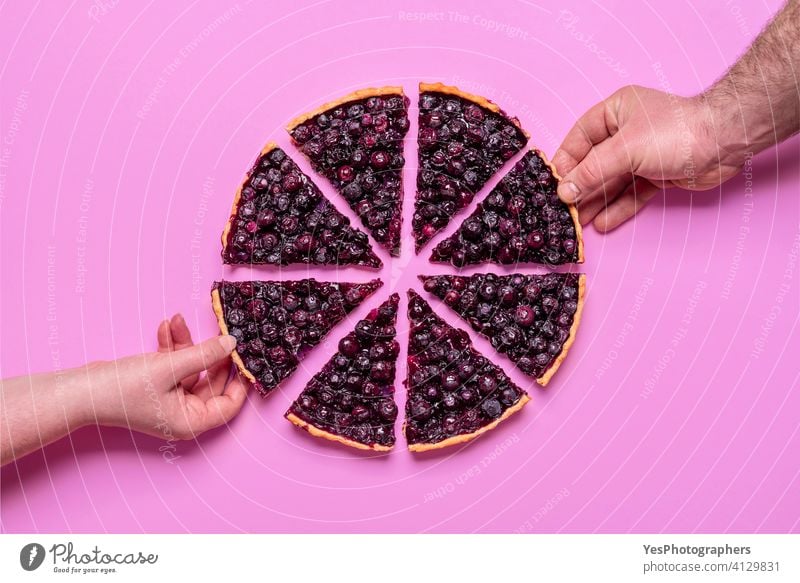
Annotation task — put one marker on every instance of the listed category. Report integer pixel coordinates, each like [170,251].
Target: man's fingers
[197,358]
[182,338]
[625,206]
[588,209]
[593,127]
[604,162]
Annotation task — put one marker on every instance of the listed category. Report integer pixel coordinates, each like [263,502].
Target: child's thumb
[197,358]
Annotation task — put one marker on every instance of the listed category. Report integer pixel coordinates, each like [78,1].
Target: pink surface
[124,131]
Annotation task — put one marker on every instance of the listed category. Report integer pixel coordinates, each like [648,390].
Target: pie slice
[276,323]
[463,140]
[356,142]
[280,217]
[351,400]
[454,393]
[532,319]
[521,221]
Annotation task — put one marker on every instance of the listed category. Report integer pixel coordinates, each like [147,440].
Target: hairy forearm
[756,104]
[37,410]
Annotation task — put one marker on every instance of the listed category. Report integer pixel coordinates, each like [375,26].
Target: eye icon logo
[31,556]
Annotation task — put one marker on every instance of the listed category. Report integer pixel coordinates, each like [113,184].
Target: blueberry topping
[276,323]
[358,146]
[460,146]
[283,218]
[526,317]
[521,221]
[340,401]
[452,389]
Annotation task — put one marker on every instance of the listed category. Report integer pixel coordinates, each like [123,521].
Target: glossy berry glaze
[352,397]
[276,323]
[460,146]
[521,221]
[358,146]
[526,317]
[452,389]
[281,217]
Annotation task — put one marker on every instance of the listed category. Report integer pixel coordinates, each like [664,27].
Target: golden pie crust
[317,432]
[548,374]
[573,210]
[236,199]
[216,302]
[456,439]
[354,96]
[477,99]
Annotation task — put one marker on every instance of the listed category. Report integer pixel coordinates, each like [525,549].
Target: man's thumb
[197,358]
[604,162]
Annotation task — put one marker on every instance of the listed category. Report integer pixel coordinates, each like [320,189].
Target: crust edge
[238,197]
[317,432]
[354,96]
[456,439]
[477,99]
[573,210]
[216,303]
[548,374]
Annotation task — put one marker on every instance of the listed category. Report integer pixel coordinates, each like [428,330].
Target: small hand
[176,393]
[637,142]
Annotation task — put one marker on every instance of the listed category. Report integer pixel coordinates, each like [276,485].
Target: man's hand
[637,142]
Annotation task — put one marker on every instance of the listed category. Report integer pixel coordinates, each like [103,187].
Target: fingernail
[227,342]
[568,191]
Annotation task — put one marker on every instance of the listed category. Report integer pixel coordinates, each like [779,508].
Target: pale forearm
[756,104]
[38,410]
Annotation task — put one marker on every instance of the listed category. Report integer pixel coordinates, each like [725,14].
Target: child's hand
[176,393]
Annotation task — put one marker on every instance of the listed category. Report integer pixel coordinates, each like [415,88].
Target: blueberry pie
[276,323]
[351,400]
[280,217]
[521,221]
[463,140]
[454,393]
[532,319]
[357,143]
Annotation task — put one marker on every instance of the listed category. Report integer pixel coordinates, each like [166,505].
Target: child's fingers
[222,408]
[182,338]
[164,337]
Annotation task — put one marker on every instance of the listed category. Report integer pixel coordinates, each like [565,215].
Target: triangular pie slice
[356,142]
[454,393]
[532,319]
[281,217]
[521,221]
[463,140]
[351,400]
[276,323]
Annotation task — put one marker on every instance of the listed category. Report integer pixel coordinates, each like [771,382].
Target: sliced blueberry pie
[532,319]
[463,140]
[357,143]
[521,221]
[351,400]
[280,217]
[276,323]
[454,393]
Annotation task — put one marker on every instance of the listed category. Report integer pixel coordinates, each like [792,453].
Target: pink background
[124,131]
